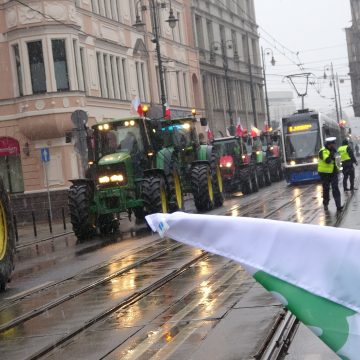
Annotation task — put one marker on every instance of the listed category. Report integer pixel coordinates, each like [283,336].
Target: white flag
[315,270]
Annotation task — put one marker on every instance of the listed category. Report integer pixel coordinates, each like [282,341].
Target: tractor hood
[114,158]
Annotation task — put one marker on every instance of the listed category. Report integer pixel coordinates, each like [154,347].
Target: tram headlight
[229,164]
[292,162]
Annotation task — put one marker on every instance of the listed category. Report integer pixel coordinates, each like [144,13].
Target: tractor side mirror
[203,122]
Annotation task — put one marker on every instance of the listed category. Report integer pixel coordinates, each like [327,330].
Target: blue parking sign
[45,155]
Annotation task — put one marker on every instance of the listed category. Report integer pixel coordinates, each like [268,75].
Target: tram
[303,135]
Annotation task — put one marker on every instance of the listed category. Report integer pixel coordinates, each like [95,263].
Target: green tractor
[198,163]
[7,238]
[129,172]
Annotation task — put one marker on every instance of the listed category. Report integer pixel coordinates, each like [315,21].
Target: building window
[37,67]
[101,81]
[178,88]
[210,31]
[124,68]
[20,89]
[60,65]
[140,78]
[185,78]
[83,68]
[234,43]
[245,46]
[10,165]
[199,31]
[255,53]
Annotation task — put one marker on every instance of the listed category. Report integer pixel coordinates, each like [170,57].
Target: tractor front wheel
[82,220]
[202,187]
[7,238]
[154,195]
[108,224]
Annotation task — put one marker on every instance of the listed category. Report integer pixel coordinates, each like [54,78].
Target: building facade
[228,42]
[60,56]
[281,104]
[353,42]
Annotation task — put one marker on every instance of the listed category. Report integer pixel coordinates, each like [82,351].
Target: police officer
[328,171]
[348,160]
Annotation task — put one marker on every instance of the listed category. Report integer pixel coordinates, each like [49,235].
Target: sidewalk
[26,233]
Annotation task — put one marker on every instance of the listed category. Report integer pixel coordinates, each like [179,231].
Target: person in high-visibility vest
[348,160]
[328,171]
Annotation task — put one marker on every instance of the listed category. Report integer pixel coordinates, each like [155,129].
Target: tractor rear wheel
[202,187]
[247,184]
[267,176]
[7,238]
[217,181]
[261,175]
[82,220]
[175,191]
[274,171]
[255,179]
[154,195]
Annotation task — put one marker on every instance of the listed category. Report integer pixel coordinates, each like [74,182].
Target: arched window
[10,165]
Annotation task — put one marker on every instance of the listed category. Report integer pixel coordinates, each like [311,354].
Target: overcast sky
[315,29]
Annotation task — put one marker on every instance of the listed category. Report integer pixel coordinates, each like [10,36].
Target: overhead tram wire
[298,64]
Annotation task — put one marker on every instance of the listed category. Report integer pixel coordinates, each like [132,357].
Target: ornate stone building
[228,43]
[60,56]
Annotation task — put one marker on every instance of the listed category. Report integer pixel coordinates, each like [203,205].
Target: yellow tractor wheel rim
[3,232]
[178,191]
[164,204]
[210,187]
[219,178]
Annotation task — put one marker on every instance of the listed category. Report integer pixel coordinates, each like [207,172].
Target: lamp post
[140,25]
[273,63]
[224,45]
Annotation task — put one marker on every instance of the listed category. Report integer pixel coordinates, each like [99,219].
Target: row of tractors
[142,166]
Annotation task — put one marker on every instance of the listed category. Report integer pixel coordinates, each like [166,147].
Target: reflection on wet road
[171,317]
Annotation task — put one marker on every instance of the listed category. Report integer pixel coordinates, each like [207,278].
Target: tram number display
[300,127]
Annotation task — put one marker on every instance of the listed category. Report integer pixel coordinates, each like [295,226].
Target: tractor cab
[122,147]
[271,143]
[195,161]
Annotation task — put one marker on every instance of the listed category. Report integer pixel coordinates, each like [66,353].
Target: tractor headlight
[228,164]
[104,180]
[117,178]
[315,160]
[292,162]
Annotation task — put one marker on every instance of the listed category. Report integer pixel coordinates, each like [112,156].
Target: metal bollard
[50,222]
[63,216]
[34,223]
[16,228]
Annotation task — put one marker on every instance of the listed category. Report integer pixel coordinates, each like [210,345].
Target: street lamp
[273,63]
[224,45]
[154,6]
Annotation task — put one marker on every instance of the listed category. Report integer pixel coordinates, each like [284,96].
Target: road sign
[45,155]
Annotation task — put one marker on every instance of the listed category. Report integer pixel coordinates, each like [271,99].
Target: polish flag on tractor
[239,131]
[136,107]
[255,132]
[313,270]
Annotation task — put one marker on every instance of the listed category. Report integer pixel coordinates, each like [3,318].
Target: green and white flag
[313,270]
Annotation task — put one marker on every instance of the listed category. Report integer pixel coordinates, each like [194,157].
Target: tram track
[247,209]
[131,299]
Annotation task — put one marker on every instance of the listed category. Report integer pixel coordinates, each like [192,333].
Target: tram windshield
[302,140]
